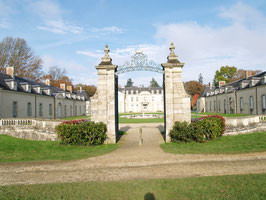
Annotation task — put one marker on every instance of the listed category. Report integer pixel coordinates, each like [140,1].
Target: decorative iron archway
[139,62]
[104,104]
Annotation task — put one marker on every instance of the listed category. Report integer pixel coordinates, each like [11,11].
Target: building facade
[23,98]
[245,96]
[140,99]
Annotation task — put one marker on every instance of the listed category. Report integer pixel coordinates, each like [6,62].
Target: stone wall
[244,125]
[29,129]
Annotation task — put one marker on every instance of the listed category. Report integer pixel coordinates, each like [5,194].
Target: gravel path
[132,161]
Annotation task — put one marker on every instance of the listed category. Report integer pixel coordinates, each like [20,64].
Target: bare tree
[57,75]
[15,52]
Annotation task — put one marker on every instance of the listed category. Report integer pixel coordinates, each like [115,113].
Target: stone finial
[106,58]
[172,57]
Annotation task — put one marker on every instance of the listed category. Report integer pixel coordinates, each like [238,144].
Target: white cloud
[205,49]
[52,17]
[111,29]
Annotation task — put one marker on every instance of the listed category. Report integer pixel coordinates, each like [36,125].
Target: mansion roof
[33,87]
[252,81]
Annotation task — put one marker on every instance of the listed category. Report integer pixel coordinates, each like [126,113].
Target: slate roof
[236,85]
[20,81]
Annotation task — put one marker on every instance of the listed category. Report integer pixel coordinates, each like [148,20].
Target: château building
[24,98]
[245,96]
[140,99]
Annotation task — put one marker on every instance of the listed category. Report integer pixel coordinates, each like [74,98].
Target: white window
[219,105]
[29,109]
[132,98]
[214,105]
[251,102]
[137,98]
[210,106]
[264,102]
[241,103]
[152,98]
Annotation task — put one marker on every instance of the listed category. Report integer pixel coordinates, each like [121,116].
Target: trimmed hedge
[81,132]
[201,130]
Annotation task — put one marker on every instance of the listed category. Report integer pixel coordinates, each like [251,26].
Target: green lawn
[77,117]
[18,150]
[128,121]
[218,187]
[223,115]
[254,142]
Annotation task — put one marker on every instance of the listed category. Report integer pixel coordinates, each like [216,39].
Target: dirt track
[132,161]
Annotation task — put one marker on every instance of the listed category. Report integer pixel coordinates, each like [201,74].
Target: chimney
[63,86]
[70,88]
[80,89]
[10,71]
[221,83]
[248,73]
[47,81]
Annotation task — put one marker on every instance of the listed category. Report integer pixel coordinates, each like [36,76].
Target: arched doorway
[104,104]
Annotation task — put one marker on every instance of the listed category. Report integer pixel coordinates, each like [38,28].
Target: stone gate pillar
[177,101]
[103,102]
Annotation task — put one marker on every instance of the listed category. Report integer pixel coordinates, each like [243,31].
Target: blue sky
[207,34]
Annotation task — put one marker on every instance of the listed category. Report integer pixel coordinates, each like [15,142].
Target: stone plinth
[177,101]
[103,102]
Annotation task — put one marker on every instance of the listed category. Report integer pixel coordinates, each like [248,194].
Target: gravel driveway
[132,161]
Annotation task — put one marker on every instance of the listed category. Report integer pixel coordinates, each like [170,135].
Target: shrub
[201,130]
[81,132]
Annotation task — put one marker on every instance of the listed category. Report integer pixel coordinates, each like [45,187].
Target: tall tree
[193,87]
[57,76]
[129,83]
[90,89]
[224,74]
[200,78]
[153,83]
[15,52]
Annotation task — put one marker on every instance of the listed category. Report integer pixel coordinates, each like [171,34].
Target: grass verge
[129,121]
[254,142]
[223,115]
[250,186]
[20,150]
[77,117]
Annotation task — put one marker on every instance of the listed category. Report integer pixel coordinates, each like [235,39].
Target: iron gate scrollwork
[139,62]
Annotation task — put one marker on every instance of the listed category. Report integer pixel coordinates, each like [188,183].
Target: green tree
[226,73]
[16,52]
[129,83]
[153,83]
[200,78]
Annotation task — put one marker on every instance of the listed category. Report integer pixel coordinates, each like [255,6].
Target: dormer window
[26,87]
[37,89]
[83,98]
[78,97]
[47,91]
[73,96]
[68,95]
[12,84]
